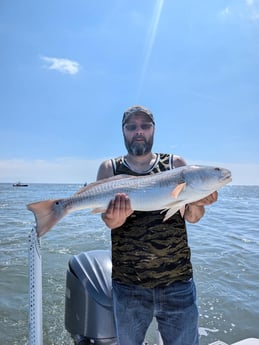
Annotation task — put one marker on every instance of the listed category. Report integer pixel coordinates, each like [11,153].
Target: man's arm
[194,211]
[105,170]
[119,208]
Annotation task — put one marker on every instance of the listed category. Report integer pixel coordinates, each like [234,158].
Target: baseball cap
[135,110]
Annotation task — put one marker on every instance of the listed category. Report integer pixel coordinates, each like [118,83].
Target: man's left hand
[210,199]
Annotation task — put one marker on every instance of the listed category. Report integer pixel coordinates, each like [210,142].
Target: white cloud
[249,2]
[225,12]
[61,65]
[247,10]
[254,9]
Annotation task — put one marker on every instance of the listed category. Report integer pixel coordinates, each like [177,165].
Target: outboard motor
[88,306]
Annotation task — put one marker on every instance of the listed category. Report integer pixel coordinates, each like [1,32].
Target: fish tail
[47,214]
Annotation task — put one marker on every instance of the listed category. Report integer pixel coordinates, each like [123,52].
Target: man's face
[138,134]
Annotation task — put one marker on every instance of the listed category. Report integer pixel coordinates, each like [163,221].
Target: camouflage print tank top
[145,250]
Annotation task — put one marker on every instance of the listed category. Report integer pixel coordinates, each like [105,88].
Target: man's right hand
[119,209]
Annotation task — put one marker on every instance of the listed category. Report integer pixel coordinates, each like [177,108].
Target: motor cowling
[88,305]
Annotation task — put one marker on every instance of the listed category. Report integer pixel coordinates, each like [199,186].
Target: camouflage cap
[135,110]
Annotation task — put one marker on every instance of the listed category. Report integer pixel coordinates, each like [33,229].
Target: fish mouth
[226,175]
[227,178]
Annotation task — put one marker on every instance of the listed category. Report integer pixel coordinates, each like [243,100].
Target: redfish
[167,191]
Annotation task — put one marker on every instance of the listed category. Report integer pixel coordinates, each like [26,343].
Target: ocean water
[225,256]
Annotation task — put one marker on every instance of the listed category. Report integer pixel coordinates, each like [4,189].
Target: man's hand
[119,209]
[210,199]
[195,210]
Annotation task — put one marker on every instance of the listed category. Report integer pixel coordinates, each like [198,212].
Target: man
[152,271]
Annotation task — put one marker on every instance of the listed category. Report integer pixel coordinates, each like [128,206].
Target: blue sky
[70,68]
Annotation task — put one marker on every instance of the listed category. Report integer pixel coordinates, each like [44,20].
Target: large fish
[167,191]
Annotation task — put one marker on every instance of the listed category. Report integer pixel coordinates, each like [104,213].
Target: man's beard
[139,148]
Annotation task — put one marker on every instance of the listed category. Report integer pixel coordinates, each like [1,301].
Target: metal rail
[35,289]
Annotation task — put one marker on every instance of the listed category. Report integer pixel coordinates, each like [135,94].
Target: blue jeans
[173,306]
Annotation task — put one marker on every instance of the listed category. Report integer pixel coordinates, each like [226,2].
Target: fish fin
[47,214]
[99,182]
[170,212]
[172,208]
[178,189]
[98,210]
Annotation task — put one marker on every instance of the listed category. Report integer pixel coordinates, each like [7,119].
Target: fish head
[206,179]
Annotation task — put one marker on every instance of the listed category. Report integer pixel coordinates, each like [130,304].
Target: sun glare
[151,39]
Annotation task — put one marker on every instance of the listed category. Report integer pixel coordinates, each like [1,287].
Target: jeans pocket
[181,294]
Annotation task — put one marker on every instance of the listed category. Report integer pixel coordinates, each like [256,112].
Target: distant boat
[19,184]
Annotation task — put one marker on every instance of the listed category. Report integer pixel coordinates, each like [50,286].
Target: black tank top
[145,250]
